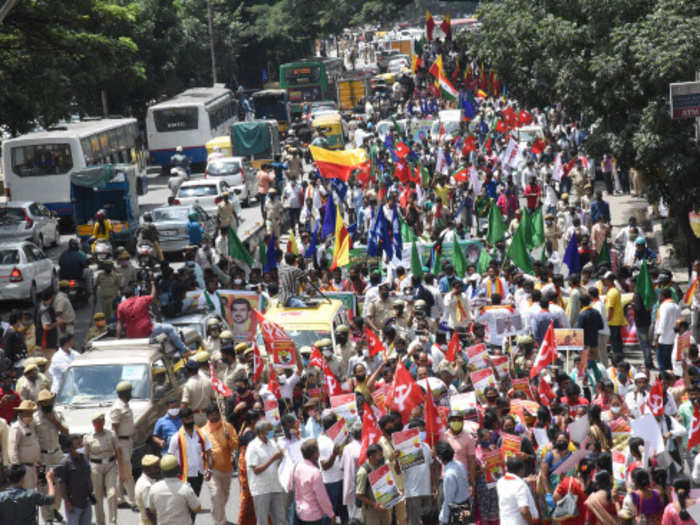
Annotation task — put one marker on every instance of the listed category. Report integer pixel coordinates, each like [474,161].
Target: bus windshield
[176,119]
[41,159]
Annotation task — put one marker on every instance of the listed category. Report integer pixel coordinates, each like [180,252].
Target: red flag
[431,416]
[694,435]
[462,175]
[501,126]
[547,352]
[429,26]
[538,147]
[469,145]
[370,432]
[401,150]
[446,27]
[272,332]
[216,384]
[258,364]
[509,116]
[373,343]
[401,171]
[317,359]
[546,392]
[332,385]
[655,401]
[453,347]
[524,118]
[404,393]
[488,143]
[273,385]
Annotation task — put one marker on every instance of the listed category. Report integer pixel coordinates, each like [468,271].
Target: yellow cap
[168,462]
[241,347]
[226,334]
[30,367]
[99,316]
[323,342]
[201,357]
[26,406]
[63,283]
[149,460]
[45,395]
[124,386]
[98,416]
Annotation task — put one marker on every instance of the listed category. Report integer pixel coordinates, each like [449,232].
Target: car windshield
[10,256]
[11,215]
[97,383]
[197,191]
[306,337]
[170,214]
[224,167]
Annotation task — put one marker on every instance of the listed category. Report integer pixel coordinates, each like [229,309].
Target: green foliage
[610,63]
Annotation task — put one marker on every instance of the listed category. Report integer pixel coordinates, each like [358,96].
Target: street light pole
[211,42]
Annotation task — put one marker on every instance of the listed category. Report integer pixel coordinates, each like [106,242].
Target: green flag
[236,249]
[262,254]
[398,129]
[603,255]
[425,176]
[483,262]
[416,263]
[407,233]
[517,251]
[527,229]
[437,264]
[459,261]
[497,228]
[537,227]
[644,287]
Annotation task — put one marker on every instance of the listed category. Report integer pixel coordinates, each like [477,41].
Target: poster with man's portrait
[239,313]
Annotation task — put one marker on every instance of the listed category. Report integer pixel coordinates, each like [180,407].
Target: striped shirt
[289,278]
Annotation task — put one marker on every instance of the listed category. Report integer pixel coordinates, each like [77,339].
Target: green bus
[310,80]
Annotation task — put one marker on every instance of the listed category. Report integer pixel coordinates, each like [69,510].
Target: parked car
[196,321]
[25,271]
[398,63]
[90,381]
[201,192]
[384,56]
[237,172]
[171,223]
[28,220]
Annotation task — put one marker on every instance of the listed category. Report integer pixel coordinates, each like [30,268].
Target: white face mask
[173,412]
[327,353]
[238,281]
[616,410]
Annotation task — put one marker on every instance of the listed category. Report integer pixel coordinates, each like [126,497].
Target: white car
[25,271]
[205,193]
[396,65]
[28,220]
[237,172]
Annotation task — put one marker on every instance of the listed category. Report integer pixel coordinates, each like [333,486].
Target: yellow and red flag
[688,297]
[339,164]
[429,25]
[341,249]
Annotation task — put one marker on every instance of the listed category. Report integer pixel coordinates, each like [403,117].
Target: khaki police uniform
[273,214]
[197,393]
[128,274]
[107,286]
[29,389]
[51,453]
[23,448]
[101,451]
[224,212]
[64,309]
[143,487]
[120,414]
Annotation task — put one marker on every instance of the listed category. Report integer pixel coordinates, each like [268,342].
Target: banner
[493,466]
[407,442]
[272,413]
[338,432]
[500,323]
[476,356]
[620,430]
[283,354]
[463,403]
[349,300]
[239,311]
[682,346]
[384,488]
[345,407]
[618,460]
[568,338]
[522,384]
[500,364]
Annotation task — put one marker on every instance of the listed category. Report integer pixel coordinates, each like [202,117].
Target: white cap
[640,375]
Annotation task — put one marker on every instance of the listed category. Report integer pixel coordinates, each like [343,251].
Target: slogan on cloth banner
[345,407]
[239,311]
[492,461]
[470,248]
[384,488]
[338,432]
[569,339]
[272,413]
[407,442]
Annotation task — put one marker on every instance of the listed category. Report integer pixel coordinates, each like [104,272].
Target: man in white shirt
[262,459]
[664,335]
[61,359]
[196,457]
[348,465]
[419,480]
[516,506]
[210,299]
[457,308]
[329,460]
[636,399]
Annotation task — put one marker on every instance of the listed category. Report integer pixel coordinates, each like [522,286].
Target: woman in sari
[675,512]
[643,504]
[599,432]
[246,514]
[601,508]
[553,459]
[486,499]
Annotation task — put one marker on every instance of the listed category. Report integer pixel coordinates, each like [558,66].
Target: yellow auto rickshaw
[331,125]
[221,144]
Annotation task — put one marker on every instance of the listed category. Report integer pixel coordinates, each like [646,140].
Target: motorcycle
[79,292]
[101,249]
[178,175]
[146,254]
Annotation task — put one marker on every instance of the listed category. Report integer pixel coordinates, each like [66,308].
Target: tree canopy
[610,63]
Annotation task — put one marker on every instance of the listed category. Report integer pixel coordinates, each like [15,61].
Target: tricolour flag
[338,164]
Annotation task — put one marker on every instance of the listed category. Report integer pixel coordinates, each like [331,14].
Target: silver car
[28,220]
[238,173]
[201,192]
[171,223]
[25,271]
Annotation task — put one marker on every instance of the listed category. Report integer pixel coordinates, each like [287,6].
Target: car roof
[309,318]
[227,159]
[200,182]
[17,244]
[178,206]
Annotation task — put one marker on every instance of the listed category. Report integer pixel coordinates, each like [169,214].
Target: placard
[481,379]
[648,429]
[620,430]
[384,488]
[338,432]
[682,346]
[510,445]
[568,339]
[272,413]
[407,442]
[239,311]
[583,364]
[522,384]
[500,364]
[541,436]
[463,403]
[284,354]
[578,429]
[345,407]
[493,466]
[618,460]
[476,356]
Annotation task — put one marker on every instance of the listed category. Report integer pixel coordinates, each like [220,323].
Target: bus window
[41,159]
[176,119]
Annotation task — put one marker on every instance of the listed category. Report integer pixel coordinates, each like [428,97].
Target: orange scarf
[182,450]
[499,287]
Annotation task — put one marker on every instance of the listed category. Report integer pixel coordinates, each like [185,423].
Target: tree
[610,62]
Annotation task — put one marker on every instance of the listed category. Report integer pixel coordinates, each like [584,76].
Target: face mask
[615,410]
[241,389]
[305,362]
[173,412]
[560,445]
[238,281]
[189,425]
[360,379]
[422,436]
[327,353]
[384,295]
[270,434]
[456,426]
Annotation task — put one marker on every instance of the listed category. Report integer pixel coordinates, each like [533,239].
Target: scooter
[145,253]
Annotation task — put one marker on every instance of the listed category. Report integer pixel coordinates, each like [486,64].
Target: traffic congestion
[377,290]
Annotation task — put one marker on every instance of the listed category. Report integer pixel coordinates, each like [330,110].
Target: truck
[404,46]
[259,140]
[351,91]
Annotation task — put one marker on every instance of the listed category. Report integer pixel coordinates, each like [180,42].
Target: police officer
[29,386]
[344,346]
[242,367]
[126,271]
[273,213]
[102,450]
[98,328]
[171,500]
[122,420]
[149,475]
[64,309]
[49,424]
[213,341]
[23,443]
[197,393]
[107,289]
[334,361]
[202,358]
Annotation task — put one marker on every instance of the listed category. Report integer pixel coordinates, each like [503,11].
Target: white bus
[38,165]
[190,120]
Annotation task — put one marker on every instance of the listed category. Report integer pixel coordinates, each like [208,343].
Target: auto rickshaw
[331,125]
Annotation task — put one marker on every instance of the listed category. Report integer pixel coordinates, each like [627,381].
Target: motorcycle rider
[180,160]
[102,229]
[73,264]
[148,233]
